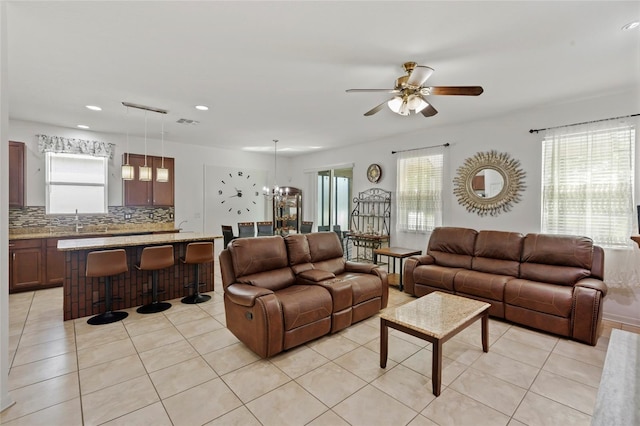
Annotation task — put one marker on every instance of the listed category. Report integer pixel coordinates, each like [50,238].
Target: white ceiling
[279,70]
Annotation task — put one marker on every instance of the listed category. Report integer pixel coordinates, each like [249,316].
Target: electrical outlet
[150,215]
[170,215]
[127,216]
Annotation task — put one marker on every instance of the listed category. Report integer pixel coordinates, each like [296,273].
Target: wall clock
[374,173]
[238,192]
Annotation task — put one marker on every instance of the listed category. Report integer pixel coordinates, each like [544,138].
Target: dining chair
[306,227]
[227,234]
[265,228]
[323,228]
[246,229]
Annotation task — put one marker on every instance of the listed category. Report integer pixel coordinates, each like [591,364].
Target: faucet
[180,224]
[78,226]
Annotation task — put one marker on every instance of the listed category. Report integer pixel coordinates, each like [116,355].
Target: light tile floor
[183,367]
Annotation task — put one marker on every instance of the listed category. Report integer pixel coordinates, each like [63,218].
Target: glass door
[334,199]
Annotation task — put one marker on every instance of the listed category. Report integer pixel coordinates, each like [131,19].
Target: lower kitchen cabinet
[26,263]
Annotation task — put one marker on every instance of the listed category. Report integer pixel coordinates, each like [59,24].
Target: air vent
[187,121]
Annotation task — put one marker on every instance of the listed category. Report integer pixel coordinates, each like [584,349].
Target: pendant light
[275,191]
[144,172]
[127,169]
[162,174]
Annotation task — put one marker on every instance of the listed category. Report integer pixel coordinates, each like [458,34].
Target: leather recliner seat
[548,282]
[282,292]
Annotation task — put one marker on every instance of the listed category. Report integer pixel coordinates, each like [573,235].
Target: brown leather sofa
[548,282]
[282,292]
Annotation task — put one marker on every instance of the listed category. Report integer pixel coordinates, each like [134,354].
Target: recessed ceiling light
[94,108]
[631,25]
[202,107]
[82,126]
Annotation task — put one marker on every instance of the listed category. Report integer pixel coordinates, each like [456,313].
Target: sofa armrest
[245,294]
[316,275]
[410,264]
[594,284]
[424,259]
[363,268]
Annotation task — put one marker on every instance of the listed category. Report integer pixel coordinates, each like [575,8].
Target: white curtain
[419,190]
[587,189]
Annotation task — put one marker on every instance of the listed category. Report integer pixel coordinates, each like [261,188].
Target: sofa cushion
[323,246]
[435,276]
[363,286]
[498,252]
[304,304]
[258,254]
[557,259]
[451,246]
[540,297]
[275,279]
[335,265]
[481,284]
[298,249]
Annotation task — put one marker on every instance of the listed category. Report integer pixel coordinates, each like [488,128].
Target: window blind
[587,183]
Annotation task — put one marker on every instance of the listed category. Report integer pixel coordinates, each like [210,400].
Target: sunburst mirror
[489,183]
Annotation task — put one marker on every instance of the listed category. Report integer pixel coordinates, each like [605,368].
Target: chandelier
[275,191]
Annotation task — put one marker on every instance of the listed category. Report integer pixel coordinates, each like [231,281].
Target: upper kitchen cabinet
[16,174]
[151,193]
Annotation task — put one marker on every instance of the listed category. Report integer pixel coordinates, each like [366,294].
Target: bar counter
[131,288]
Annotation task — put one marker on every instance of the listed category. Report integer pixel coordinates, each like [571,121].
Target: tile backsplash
[34,217]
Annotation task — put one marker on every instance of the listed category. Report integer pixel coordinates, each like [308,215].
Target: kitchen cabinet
[151,193]
[26,263]
[16,174]
[54,272]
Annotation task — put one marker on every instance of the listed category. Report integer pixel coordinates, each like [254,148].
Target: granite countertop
[89,231]
[133,240]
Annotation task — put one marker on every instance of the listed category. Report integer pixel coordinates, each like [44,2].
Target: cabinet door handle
[14,256]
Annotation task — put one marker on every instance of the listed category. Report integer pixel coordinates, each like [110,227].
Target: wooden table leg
[436,367]
[384,342]
[485,331]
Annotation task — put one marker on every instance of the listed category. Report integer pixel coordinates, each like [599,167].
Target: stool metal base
[153,308]
[107,317]
[196,298]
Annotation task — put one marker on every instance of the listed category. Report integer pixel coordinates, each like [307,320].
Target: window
[76,182]
[587,183]
[419,191]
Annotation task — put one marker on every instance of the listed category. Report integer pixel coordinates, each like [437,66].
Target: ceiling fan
[410,92]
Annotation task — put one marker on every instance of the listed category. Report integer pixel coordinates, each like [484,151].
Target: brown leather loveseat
[548,282]
[282,292]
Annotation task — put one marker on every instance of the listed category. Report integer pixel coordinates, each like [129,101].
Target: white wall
[505,134]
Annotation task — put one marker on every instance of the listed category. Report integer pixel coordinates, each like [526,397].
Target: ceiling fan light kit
[410,92]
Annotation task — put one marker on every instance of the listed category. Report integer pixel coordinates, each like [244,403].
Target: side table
[396,253]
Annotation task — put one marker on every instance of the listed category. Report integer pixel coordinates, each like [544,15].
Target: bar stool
[106,263]
[197,253]
[153,259]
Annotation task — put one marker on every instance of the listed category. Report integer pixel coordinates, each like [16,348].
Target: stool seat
[153,259]
[197,254]
[107,263]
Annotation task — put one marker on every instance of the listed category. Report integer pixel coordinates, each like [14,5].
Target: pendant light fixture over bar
[145,173]
[162,174]
[128,172]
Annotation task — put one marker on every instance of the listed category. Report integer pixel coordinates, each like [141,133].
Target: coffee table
[397,253]
[436,318]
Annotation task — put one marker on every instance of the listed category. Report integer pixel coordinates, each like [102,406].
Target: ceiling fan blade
[429,111]
[419,75]
[454,90]
[376,109]
[372,90]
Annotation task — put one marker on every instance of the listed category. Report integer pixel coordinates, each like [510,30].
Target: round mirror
[489,183]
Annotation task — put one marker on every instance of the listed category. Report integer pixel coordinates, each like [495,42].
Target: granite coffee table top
[436,314]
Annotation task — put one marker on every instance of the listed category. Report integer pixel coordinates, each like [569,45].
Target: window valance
[75,146]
